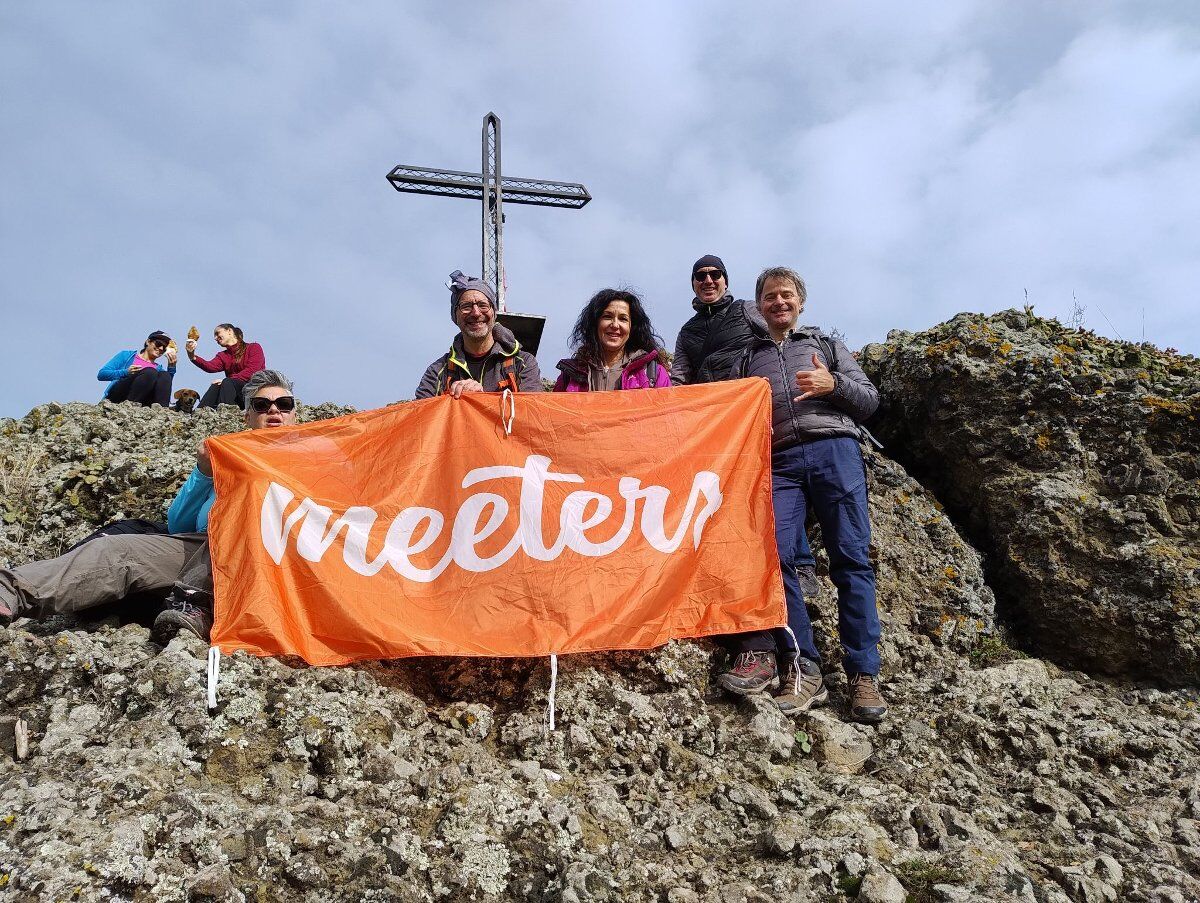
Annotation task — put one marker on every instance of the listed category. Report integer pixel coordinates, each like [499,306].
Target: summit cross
[493,190]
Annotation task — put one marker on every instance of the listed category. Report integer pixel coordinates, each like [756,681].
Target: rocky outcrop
[1072,462]
[995,777]
[65,469]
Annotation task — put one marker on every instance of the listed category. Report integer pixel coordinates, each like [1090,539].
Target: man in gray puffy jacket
[819,398]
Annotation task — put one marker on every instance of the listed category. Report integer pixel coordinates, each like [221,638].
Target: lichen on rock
[995,776]
[1073,462]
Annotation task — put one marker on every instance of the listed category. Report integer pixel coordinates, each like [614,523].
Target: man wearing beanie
[484,356]
[719,329]
[708,346]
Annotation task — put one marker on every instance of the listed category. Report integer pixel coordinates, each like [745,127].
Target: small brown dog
[185,400]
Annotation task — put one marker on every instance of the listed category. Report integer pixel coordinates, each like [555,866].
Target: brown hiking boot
[803,688]
[752,672]
[187,615]
[866,702]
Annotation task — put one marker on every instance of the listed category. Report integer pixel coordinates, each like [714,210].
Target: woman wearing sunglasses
[110,568]
[239,360]
[141,377]
[615,347]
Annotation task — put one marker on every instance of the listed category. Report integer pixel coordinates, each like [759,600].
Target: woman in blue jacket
[140,376]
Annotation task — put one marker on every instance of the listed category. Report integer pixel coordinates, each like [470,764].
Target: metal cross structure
[492,189]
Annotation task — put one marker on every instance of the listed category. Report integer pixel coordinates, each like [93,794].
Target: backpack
[509,375]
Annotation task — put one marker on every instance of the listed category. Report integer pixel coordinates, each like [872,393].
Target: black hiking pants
[227,391]
[145,387]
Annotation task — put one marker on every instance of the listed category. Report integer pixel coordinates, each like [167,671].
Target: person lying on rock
[141,377]
[819,398]
[485,356]
[109,568]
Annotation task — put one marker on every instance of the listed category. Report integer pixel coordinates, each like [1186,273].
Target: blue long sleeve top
[189,512]
[118,365]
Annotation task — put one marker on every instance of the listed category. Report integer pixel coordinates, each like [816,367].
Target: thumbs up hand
[815,382]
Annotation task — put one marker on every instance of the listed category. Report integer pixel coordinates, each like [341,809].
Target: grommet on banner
[214,671]
[553,690]
[509,399]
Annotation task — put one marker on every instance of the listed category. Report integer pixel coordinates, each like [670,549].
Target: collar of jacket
[506,346]
[761,334]
[577,369]
[701,308]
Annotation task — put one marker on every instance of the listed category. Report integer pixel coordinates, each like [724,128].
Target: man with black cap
[709,344]
[720,327]
[485,356]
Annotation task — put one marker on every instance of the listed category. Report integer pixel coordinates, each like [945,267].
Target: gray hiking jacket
[505,361]
[839,413]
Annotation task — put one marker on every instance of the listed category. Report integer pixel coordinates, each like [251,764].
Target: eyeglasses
[708,275]
[284,403]
[161,346]
[466,307]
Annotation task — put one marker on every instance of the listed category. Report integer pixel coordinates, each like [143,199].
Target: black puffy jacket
[720,330]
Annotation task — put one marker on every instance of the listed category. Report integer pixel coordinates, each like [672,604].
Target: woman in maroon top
[239,361]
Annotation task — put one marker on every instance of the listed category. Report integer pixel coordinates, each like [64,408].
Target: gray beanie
[458,283]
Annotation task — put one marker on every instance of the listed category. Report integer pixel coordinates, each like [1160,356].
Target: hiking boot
[866,702]
[809,584]
[752,672]
[187,615]
[803,688]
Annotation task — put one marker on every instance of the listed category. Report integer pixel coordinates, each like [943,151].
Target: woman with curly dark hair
[615,347]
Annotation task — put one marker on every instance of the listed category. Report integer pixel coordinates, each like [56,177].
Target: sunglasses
[708,275]
[284,403]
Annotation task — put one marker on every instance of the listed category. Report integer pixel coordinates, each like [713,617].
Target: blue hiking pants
[828,475]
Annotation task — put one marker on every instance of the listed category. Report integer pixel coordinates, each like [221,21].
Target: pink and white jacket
[635,375]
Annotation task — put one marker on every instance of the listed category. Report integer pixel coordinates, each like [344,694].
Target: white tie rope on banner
[214,672]
[553,690]
[509,399]
[795,658]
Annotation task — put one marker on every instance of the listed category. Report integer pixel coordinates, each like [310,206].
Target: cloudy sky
[168,164]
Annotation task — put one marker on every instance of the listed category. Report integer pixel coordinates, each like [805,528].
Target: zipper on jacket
[787,390]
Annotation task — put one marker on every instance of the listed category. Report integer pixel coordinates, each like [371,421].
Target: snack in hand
[171,346]
[193,334]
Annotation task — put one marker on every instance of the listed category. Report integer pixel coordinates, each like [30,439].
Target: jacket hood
[506,343]
[577,369]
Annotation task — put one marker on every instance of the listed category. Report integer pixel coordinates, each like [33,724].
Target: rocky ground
[996,777]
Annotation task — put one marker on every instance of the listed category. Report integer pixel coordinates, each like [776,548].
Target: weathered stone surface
[65,469]
[992,779]
[1071,461]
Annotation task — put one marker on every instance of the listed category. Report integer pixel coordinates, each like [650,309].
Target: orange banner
[606,520]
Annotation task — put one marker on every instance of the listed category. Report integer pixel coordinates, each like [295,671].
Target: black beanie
[710,260]
[158,336]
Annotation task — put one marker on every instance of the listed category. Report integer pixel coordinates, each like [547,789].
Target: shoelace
[188,608]
[744,662]
[867,679]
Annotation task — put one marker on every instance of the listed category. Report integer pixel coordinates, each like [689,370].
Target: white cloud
[178,165]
